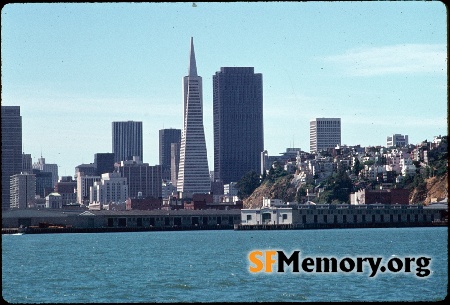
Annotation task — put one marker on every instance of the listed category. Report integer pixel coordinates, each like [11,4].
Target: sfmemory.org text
[265,260]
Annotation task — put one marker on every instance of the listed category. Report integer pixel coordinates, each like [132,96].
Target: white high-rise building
[324,133]
[397,140]
[193,174]
[111,189]
[84,183]
[23,190]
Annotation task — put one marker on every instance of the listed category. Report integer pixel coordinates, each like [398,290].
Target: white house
[272,215]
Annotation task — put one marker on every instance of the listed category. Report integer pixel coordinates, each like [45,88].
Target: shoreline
[238,227]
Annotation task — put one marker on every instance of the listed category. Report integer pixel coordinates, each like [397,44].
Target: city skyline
[75,68]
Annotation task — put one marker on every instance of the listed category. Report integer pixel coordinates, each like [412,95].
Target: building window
[249,217]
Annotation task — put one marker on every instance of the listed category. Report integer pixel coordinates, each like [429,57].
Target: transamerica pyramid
[193,174]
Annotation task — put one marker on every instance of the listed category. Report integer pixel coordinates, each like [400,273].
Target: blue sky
[76,67]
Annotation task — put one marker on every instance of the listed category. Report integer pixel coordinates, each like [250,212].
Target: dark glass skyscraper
[104,163]
[238,122]
[11,149]
[166,138]
[127,140]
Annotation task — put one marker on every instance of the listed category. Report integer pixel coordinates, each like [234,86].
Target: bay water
[213,266]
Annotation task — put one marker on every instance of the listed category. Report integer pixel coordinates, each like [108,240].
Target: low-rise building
[53,201]
[397,140]
[67,188]
[335,215]
[383,196]
[144,203]
[230,189]
[120,219]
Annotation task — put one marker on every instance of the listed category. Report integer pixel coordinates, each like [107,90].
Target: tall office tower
[11,149]
[44,182]
[166,138]
[174,162]
[141,178]
[104,163]
[23,190]
[324,133]
[238,123]
[397,140]
[193,173]
[127,140]
[27,163]
[50,168]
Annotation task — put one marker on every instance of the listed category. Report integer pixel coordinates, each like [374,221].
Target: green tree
[381,161]
[264,176]
[369,162]
[276,171]
[247,184]
[337,187]
[357,167]
[326,197]
[342,186]
[301,192]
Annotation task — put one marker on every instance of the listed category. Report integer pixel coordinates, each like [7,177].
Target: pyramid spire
[192,63]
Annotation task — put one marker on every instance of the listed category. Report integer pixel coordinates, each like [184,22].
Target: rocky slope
[280,189]
[436,188]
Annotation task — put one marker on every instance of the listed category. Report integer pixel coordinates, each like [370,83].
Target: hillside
[282,188]
[278,184]
[436,187]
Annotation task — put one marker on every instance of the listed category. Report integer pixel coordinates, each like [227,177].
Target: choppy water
[213,266]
